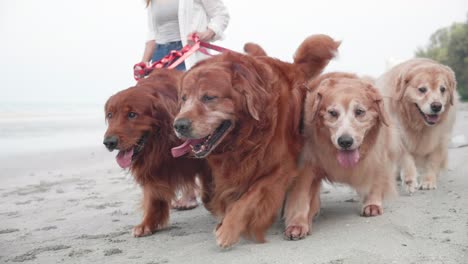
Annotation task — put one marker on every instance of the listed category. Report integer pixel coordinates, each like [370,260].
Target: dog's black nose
[345,141]
[111,142]
[182,125]
[436,107]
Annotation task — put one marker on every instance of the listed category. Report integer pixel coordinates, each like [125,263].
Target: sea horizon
[34,127]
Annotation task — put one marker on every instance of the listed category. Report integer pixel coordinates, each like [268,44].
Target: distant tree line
[449,46]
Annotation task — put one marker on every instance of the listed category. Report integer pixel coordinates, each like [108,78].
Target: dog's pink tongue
[432,118]
[185,147]
[124,158]
[348,158]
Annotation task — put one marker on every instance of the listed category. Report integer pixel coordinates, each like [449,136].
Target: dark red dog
[243,114]
[140,122]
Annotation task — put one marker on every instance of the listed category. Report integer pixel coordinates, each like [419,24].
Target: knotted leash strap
[176,57]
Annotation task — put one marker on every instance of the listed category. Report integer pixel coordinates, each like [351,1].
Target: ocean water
[40,127]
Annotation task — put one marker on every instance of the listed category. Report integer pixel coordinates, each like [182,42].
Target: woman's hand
[205,36]
[140,70]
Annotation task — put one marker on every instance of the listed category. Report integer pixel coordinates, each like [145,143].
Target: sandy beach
[73,204]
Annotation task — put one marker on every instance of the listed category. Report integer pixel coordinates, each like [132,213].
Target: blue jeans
[164,49]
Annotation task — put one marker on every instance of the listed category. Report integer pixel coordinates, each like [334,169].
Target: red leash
[176,57]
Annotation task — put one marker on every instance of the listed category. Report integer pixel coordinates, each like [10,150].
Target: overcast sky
[84,51]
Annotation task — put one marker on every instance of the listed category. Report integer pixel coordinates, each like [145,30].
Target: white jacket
[195,15]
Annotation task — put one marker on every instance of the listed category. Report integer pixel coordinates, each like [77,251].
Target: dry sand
[76,206]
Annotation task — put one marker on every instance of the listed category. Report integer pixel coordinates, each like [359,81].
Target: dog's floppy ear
[250,84]
[316,99]
[381,110]
[313,102]
[323,80]
[452,84]
[401,85]
[314,95]
[379,104]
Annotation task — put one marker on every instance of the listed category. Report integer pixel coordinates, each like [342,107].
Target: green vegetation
[449,46]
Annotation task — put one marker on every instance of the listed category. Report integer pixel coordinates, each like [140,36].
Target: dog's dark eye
[132,115]
[359,112]
[422,89]
[207,98]
[442,89]
[109,115]
[184,98]
[333,113]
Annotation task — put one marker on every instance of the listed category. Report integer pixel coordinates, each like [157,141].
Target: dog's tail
[314,54]
[254,49]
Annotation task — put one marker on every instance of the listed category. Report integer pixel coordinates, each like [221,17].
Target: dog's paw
[411,186]
[296,232]
[226,237]
[142,230]
[184,204]
[428,183]
[372,210]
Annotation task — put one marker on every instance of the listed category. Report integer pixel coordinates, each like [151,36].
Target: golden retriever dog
[422,101]
[140,128]
[348,139]
[243,113]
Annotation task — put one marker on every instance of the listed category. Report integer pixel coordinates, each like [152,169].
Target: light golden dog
[348,139]
[422,99]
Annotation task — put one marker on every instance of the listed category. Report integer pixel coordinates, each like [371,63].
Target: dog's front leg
[302,203]
[255,211]
[409,173]
[156,203]
[432,166]
[372,204]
